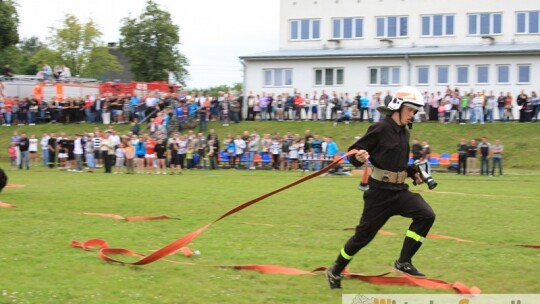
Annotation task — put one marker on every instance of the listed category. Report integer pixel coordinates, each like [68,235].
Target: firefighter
[386,146]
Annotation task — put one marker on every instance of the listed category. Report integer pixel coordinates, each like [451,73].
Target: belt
[388,176]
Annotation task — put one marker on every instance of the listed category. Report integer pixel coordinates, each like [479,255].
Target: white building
[379,45]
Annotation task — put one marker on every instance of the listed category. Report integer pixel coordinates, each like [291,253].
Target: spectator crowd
[191,108]
[154,153]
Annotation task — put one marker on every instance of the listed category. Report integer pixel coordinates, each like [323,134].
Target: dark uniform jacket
[388,148]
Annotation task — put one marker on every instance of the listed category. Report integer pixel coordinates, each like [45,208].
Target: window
[423,75]
[524,73]
[503,74]
[347,28]
[392,26]
[482,74]
[442,74]
[329,76]
[462,74]
[384,75]
[528,22]
[438,25]
[277,77]
[485,24]
[305,29]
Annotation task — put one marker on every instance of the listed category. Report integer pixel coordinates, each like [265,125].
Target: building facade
[351,46]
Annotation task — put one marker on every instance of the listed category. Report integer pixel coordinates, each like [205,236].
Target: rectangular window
[442,74]
[329,76]
[437,25]
[277,77]
[462,74]
[482,74]
[384,75]
[503,74]
[524,74]
[423,75]
[288,77]
[528,22]
[347,28]
[305,29]
[449,25]
[392,26]
[485,24]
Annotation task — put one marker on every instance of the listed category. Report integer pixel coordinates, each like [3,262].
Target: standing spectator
[33,149]
[129,151]
[251,100]
[89,153]
[500,105]
[228,143]
[509,115]
[317,150]
[140,152]
[107,151]
[478,104]
[44,142]
[15,138]
[471,157]
[275,151]
[462,150]
[161,150]
[150,156]
[12,152]
[239,150]
[535,103]
[24,144]
[485,152]
[51,146]
[491,103]
[235,108]
[78,152]
[521,101]
[252,148]
[120,157]
[497,154]
[364,106]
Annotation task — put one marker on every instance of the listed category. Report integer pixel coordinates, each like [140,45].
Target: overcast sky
[213,33]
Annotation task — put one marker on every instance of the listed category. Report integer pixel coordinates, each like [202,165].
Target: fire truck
[29,86]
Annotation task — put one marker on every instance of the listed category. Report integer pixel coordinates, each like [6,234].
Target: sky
[213,33]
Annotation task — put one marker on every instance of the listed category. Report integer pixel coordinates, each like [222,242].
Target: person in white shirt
[32,149]
[44,142]
[239,148]
[78,152]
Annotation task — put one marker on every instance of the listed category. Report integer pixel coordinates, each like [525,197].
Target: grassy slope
[519,139]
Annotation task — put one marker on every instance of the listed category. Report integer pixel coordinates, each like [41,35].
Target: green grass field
[302,227]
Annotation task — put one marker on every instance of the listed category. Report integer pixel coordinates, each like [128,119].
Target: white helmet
[404,96]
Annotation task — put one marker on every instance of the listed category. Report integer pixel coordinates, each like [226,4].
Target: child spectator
[120,154]
[12,151]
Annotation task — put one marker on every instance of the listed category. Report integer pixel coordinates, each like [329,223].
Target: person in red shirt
[298,101]
[150,157]
[8,103]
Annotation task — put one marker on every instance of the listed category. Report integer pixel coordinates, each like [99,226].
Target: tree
[8,25]
[150,42]
[78,45]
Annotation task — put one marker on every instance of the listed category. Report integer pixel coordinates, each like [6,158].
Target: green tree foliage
[150,42]
[9,20]
[79,47]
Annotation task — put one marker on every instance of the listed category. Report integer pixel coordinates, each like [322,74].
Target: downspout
[407,59]
[244,89]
